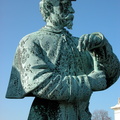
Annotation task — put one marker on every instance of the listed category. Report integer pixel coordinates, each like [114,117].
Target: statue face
[62,15]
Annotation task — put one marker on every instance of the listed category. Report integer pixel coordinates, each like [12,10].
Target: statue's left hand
[91,41]
[97,80]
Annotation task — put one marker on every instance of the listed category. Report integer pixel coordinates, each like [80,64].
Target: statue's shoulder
[39,35]
[31,38]
[38,38]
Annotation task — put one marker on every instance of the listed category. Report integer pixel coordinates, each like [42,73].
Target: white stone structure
[116,109]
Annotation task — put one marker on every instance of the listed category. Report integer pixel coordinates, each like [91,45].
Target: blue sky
[19,18]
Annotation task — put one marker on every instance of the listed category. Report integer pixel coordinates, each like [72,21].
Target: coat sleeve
[38,75]
[109,63]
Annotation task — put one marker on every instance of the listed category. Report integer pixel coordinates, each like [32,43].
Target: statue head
[57,13]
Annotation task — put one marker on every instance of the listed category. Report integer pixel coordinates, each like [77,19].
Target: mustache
[69,17]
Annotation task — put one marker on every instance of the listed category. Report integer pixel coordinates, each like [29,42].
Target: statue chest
[63,53]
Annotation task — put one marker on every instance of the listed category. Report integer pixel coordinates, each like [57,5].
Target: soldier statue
[61,71]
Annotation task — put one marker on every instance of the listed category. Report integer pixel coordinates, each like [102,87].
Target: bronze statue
[61,71]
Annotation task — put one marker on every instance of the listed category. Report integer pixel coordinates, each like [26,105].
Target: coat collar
[55,30]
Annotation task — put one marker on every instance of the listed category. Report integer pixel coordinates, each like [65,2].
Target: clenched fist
[91,41]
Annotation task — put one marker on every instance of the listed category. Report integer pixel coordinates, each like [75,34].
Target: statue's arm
[102,54]
[108,62]
[41,78]
[68,88]
[39,75]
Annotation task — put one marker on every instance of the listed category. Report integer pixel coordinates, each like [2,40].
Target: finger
[98,41]
[94,40]
[86,41]
[90,42]
[81,42]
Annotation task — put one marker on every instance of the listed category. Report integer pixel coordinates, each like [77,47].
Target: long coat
[49,66]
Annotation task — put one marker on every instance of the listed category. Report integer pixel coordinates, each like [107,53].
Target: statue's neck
[54,29]
[58,28]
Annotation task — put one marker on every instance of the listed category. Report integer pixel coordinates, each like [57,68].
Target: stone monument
[61,71]
[116,109]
